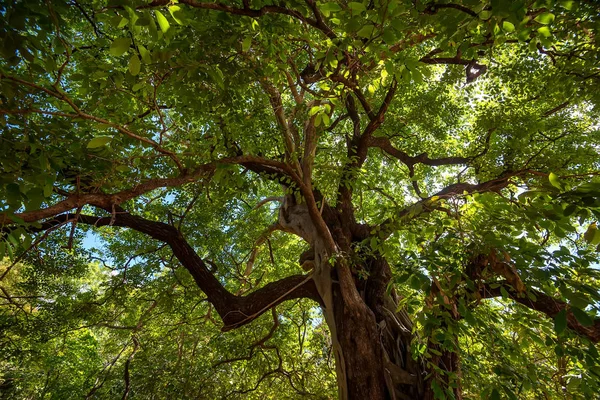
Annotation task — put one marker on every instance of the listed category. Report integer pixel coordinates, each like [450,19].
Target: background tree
[417,158]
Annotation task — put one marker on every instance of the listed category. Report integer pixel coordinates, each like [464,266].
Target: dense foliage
[164,165]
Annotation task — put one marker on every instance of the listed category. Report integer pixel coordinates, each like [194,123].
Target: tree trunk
[371,341]
[375,342]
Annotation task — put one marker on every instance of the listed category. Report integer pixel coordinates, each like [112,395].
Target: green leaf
[438,393]
[163,23]
[567,4]
[592,234]
[356,7]
[48,189]
[327,8]
[318,119]
[545,18]
[99,142]
[366,31]
[583,317]
[554,180]
[134,65]
[485,15]
[175,13]
[570,209]
[495,395]
[560,321]
[145,54]
[119,46]
[508,26]
[524,34]
[246,43]
[13,194]
[545,31]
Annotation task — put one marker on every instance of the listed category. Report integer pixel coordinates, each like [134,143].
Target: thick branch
[249,12]
[386,145]
[288,137]
[429,203]
[256,164]
[547,305]
[363,143]
[234,310]
[433,8]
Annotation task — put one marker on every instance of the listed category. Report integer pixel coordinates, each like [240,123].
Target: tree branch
[547,305]
[429,203]
[102,200]
[254,13]
[235,311]
[386,145]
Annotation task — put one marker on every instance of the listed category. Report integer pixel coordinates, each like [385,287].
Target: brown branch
[433,8]
[547,305]
[310,148]
[473,69]
[357,92]
[254,13]
[365,139]
[267,200]
[358,146]
[288,136]
[235,311]
[386,145]
[81,114]
[555,109]
[256,164]
[429,203]
[259,242]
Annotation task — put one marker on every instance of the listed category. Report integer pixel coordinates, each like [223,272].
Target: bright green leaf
[145,54]
[554,180]
[163,23]
[175,13]
[246,43]
[366,31]
[545,31]
[508,26]
[357,7]
[545,18]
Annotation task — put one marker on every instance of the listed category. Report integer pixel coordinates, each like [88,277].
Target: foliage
[149,149]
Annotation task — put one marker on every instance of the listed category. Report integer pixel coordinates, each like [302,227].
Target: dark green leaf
[560,321]
[583,317]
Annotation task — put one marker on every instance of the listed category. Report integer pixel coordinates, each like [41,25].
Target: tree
[417,157]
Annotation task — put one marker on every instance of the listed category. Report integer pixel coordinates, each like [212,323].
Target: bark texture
[371,340]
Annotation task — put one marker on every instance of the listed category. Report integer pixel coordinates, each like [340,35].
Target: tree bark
[375,341]
[371,340]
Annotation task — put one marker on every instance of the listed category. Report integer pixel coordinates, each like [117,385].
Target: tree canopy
[304,199]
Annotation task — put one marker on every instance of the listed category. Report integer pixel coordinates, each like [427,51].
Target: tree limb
[235,311]
[254,13]
[547,305]
[386,145]
[102,200]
